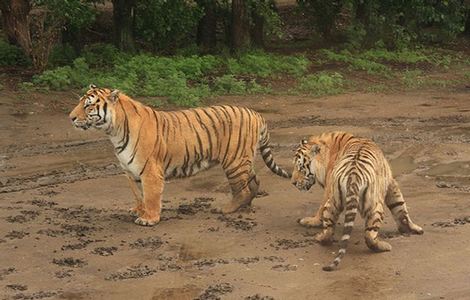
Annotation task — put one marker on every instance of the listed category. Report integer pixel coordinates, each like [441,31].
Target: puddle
[457,168]
[403,164]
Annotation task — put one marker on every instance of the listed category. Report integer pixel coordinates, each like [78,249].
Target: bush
[321,84]
[103,55]
[61,55]
[11,55]
[265,64]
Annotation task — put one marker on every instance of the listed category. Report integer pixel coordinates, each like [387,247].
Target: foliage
[356,62]
[265,64]
[323,14]
[267,10]
[11,55]
[166,24]
[412,78]
[321,84]
[182,79]
[373,60]
[229,85]
[100,55]
[61,55]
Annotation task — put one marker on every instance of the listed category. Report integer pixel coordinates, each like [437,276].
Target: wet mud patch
[78,229]
[284,268]
[52,232]
[209,263]
[133,272]
[286,244]
[259,297]
[214,292]
[77,246]
[185,292]
[104,251]
[63,274]
[455,222]
[239,223]
[43,203]
[7,271]
[200,204]
[37,295]
[54,177]
[148,243]
[17,287]
[69,262]
[25,216]
[16,235]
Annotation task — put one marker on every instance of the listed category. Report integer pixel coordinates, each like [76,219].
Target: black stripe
[393,205]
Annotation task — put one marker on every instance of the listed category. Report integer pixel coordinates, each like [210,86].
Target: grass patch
[321,84]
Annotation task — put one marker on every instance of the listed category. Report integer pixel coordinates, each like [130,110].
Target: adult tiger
[356,177]
[153,145]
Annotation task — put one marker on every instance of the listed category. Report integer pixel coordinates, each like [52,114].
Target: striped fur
[357,178]
[153,145]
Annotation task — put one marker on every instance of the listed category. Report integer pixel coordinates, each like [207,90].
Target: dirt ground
[65,232]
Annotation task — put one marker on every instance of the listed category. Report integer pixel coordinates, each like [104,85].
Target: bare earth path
[65,232]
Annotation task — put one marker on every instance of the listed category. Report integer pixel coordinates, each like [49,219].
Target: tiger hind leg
[395,202]
[244,185]
[373,223]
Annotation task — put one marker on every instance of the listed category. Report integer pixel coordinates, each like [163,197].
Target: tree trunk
[16,23]
[240,25]
[206,29]
[257,31]
[123,18]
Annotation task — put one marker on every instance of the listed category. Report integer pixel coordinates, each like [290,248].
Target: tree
[123,19]
[15,17]
[206,29]
[240,26]
[35,25]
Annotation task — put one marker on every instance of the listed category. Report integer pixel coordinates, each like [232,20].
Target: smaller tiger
[356,178]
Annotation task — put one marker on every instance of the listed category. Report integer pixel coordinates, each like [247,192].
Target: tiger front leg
[152,185]
[316,220]
[136,188]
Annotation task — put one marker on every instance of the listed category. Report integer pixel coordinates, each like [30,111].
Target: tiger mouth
[81,125]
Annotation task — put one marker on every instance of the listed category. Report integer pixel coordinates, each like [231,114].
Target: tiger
[356,177]
[153,146]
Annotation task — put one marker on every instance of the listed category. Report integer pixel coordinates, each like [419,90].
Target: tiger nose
[73,118]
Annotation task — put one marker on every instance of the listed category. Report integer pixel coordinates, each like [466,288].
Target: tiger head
[303,175]
[94,109]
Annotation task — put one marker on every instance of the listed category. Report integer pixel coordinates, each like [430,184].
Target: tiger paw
[147,221]
[310,222]
[324,239]
[135,212]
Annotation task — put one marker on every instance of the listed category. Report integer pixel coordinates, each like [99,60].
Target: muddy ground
[65,232]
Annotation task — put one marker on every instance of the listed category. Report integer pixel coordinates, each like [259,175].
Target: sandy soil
[65,232]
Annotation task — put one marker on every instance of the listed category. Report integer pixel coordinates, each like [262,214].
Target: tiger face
[303,175]
[94,109]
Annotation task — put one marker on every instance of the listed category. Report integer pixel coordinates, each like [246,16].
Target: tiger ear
[92,86]
[315,149]
[304,142]
[114,96]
